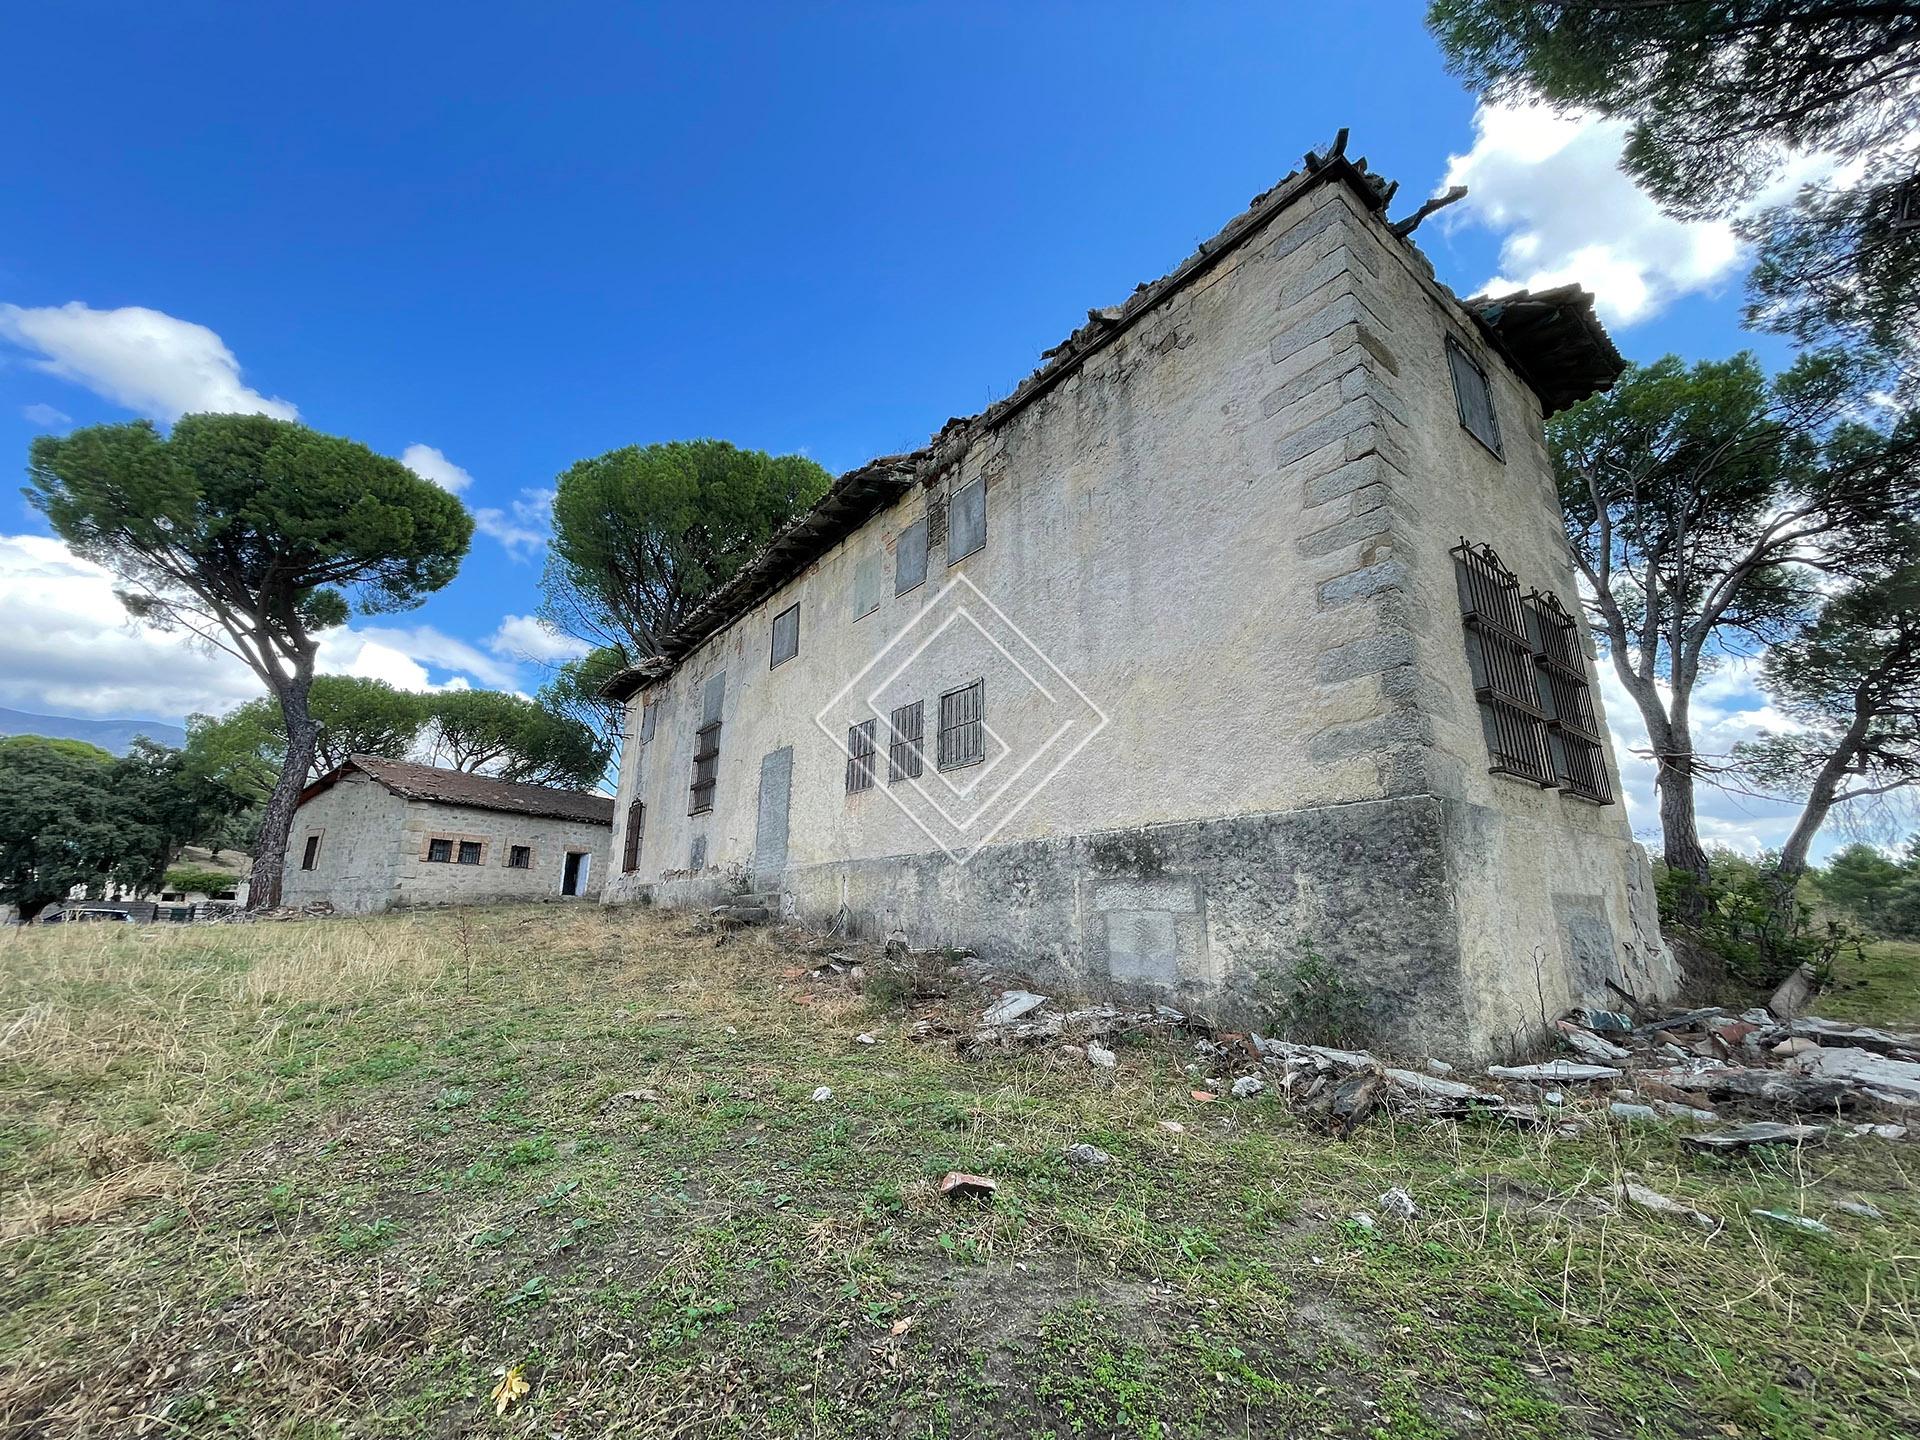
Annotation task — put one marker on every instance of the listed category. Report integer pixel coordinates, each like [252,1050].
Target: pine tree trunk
[276,823]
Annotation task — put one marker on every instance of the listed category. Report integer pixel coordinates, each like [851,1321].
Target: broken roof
[1540,335]
[1553,339]
[476,792]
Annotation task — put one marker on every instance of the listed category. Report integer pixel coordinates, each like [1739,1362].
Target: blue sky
[522,235]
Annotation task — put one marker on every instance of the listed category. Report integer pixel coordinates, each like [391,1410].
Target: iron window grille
[470,852]
[786,636]
[311,856]
[1505,679]
[904,739]
[1473,395]
[520,857]
[706,768]
[1573,729]
[636,830]
[962,739]
[860,753]
[440,852]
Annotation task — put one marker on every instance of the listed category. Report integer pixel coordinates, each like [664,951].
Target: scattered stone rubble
[1793,1080]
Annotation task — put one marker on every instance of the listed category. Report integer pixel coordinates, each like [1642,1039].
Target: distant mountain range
[114,735]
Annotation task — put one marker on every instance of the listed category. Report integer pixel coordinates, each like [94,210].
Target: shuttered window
[1573,725]
[962,734]
[786,636]
[860,752]
[1504,678]
[1474,396]
[967,521]
[903,743]
[636,829]
[910,557]
[706,768]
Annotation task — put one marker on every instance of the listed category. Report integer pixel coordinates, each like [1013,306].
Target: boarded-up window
[440,852]
[311,855]
[713,696]
[697,853]
[706,768]
[520,857]
[1573,727]
[649,717]
[786,636]
[1473,395]
[1501,654]
[860,751]
[867,574]
[469,852]
[967,521]
[910,557]
[962,733]
[636,828]
[903,743]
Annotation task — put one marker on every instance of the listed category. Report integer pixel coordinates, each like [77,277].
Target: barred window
[962,732]
[1501,653]
[706,768]
[520,857]
[860,752]
[440,852]
[786,636]
[903,743]
[636,829]
[470,853]
[1473,394]
[1573,726]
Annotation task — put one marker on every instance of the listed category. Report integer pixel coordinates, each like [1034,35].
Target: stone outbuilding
[1242,637]
[373,834]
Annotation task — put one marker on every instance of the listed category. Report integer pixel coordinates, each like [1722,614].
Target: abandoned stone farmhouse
[373,834]
[1242,632]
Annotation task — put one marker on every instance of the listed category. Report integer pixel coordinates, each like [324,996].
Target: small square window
[469,852]
[310,857]
[786,636]
[962,731]
[440,851]
[910,557]
[1473,394]
[520,857]
[967,521]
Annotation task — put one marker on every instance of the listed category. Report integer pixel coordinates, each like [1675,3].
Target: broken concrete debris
[1011,1005]
[1399,1204]
[1085,1154]
[825,1092]
[1584,1042]
[1100,1055]
[1248,1086]
[1761,1132]
[1646,1199]
[1555,1070]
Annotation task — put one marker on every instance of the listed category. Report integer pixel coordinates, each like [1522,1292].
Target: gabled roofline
[859,494]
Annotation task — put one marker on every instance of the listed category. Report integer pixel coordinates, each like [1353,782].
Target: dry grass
[327,1178]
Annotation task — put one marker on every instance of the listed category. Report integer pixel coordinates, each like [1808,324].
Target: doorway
[573,879]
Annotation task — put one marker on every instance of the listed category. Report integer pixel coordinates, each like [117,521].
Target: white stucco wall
[373,851]
[1231,529]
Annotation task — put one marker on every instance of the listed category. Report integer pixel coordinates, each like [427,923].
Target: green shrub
[1760,935]
[1314,1003]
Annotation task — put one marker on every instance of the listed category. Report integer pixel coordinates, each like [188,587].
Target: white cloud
[1551,184]
[431,464]
[68,648]
[1728,707]
[524,527]
[45,416]
[526,637]
[148,361]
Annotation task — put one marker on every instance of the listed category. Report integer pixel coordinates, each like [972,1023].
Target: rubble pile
[1770,1080]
